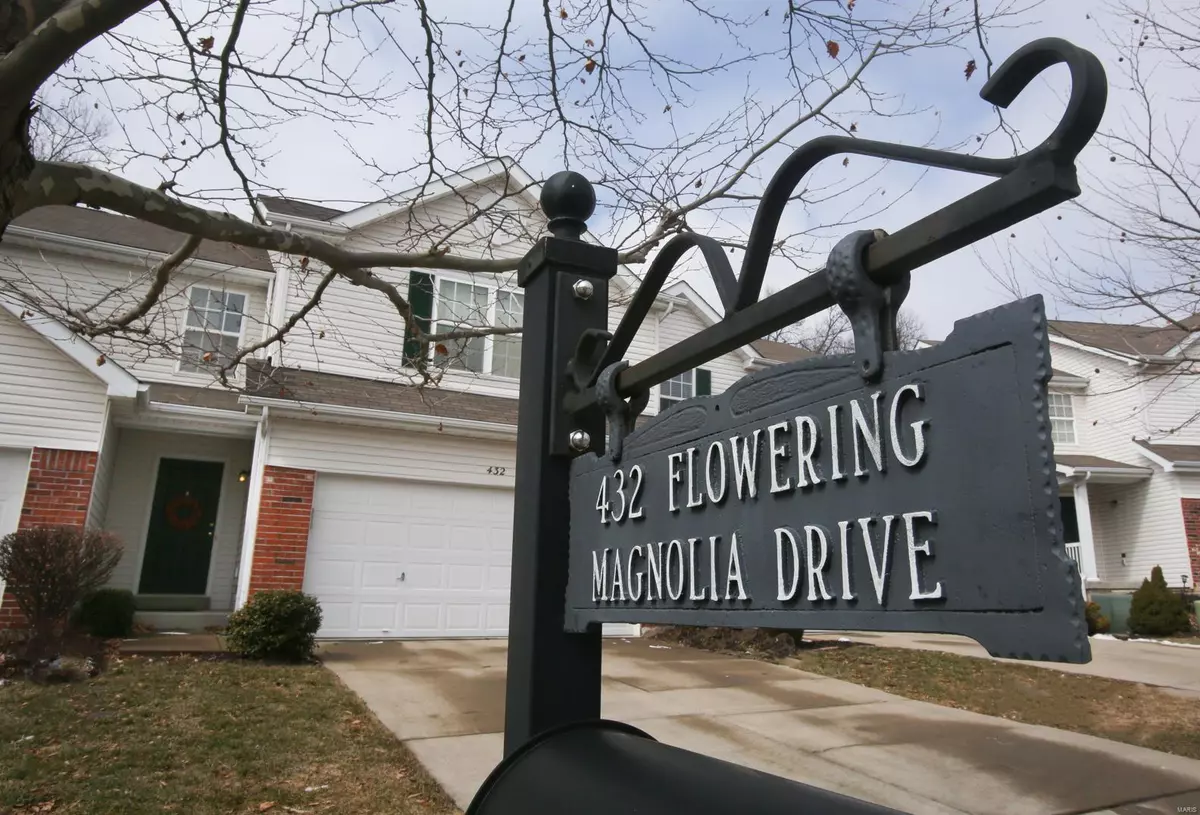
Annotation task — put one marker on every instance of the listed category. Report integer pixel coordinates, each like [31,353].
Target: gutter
[411,421]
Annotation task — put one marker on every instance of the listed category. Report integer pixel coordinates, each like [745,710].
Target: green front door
[182,523]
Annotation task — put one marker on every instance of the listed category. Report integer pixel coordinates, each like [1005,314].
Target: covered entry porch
[172,483]
[1090,489]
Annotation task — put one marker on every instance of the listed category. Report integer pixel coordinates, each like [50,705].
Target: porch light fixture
[243,475]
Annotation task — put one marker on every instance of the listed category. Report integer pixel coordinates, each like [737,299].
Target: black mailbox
[608,768]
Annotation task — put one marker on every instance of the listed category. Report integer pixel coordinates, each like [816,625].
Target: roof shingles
[108,227]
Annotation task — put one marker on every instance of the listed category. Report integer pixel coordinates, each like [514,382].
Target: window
[441,305]
[696,382]
[213,329]
[460,305]
[1062,419]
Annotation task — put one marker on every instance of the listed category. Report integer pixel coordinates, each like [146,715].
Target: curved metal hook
[1089,92]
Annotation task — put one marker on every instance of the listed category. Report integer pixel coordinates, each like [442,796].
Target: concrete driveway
[1175,667]
[445,700]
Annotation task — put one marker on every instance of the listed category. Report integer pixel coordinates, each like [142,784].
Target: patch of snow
[314,789]
[174,633]
[661,647]
[1149,642]
[845,639]
[376,642]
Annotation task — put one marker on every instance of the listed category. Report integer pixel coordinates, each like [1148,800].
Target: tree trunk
[16,162]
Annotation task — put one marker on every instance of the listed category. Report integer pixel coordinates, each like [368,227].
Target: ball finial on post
[568,200]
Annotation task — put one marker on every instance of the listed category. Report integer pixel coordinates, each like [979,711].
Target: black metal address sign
[807,497]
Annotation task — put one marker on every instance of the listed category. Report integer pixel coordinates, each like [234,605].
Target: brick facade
[281,538]
[1191,527]
[57,493]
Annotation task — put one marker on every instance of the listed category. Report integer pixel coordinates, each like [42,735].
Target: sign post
[886,490]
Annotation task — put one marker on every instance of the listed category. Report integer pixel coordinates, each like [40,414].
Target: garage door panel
[452,544]
[334,576]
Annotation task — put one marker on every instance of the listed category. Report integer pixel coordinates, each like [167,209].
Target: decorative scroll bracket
[871,309]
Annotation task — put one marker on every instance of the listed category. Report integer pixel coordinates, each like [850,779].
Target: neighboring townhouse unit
[1125,413]
[325,469]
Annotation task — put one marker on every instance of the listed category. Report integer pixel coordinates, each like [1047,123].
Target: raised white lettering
[787,593]
[618,581]
[692,581]
[715,494]
[745,465]
[654,563]
[734,572]
[779,451]
[600,576]
[806,446]
[847,591]
[816,577]
[835,445]
[918,428]
[635,500]
[635,585]
[870,436]
[695,498]
[674,476]
[712,567]
[879,566]
[675,551]
[924,548]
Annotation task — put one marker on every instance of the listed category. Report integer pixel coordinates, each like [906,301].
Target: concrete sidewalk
[445,700]
[1146,662]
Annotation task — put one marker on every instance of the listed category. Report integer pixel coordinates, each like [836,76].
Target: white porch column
[1087,544]
[258,465]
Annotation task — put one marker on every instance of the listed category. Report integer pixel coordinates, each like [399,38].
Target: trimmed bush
[1156,611]
[107,613]
[1097,623]
[50,569]
[276,624]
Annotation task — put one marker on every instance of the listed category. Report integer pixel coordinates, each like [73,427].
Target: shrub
[275,625]
[1097,623]
[107,613]
[50,569]
[1156,611]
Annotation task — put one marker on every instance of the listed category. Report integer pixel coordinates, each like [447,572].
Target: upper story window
[213,329]
[441,305]
[696,382]
[1062,418]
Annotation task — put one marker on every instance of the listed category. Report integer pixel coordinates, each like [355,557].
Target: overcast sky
[308,158]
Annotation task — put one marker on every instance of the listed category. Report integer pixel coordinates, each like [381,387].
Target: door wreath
[183,512]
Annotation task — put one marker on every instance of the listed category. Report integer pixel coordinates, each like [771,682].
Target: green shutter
[703,382]
[420,298]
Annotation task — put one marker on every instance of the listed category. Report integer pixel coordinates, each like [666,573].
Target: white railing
[1074,551]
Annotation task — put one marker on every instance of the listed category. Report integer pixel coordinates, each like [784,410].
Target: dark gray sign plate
[804,498]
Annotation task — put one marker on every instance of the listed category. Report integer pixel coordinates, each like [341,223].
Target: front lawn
[204,735]
[1110,708]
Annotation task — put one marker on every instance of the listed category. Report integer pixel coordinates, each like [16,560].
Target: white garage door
[408,559]
[14,469]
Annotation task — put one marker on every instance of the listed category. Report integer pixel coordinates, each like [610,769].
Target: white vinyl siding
[105,462]
[1110,412]
[391,453]
[1174,402]
[79,282]
[46,398]
[129,500]
[680,323]
[1143,520]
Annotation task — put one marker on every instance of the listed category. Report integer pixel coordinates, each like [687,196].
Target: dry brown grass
[1109,708]
[204,735]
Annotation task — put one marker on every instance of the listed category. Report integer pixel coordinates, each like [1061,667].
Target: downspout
[258,466]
